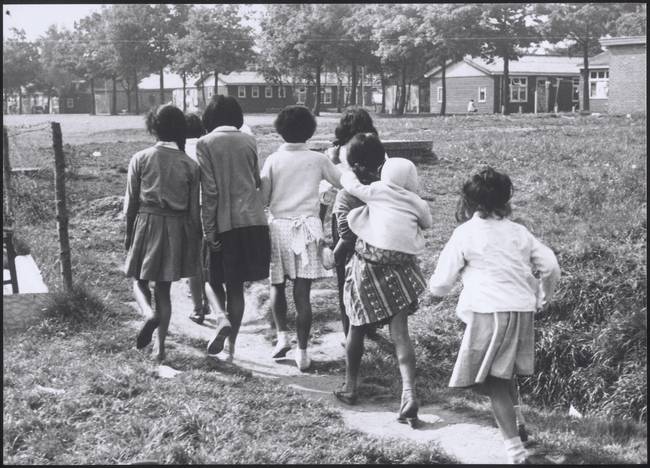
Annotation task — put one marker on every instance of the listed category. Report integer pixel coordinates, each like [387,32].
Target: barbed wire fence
[35,168]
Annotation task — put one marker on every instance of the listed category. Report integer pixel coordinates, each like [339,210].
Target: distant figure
[163,224]
[471,107]
[496,259]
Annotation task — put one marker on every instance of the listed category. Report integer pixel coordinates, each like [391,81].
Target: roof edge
[622,40]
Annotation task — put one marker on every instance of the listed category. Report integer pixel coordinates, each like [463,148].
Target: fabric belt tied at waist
[156,210]
[302,234]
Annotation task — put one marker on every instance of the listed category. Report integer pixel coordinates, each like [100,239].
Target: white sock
[283,337]
[302,353]
[515,450]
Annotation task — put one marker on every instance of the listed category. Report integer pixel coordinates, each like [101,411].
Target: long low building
[538,83]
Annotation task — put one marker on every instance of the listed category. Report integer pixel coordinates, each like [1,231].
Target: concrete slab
[29,276]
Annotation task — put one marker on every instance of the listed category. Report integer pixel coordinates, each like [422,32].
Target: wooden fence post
[61,209]
[8,208]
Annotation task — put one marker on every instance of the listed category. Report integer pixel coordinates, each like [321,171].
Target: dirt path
[467,440]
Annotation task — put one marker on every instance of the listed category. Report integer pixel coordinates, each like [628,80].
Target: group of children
[377,227]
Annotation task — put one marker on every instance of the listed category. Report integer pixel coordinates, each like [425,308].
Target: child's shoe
[408,412]
[302,360]
[146,333]
[215,345]
[282,346]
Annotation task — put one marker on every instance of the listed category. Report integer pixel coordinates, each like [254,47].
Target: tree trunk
[353,88]
[135,84]
[216,83]
[339,97]
[20,100]
[128,100]
[93,109]
[505,99]
[162,86]
[203,89]
[114,97]
[49,97]
[443,104]
[585,77]
[317,99]
[383,92]
[184,87]
[402,97]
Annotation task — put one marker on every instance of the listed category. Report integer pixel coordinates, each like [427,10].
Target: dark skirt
[245,256]
[380,284]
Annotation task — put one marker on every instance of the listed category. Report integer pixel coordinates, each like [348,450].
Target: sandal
[408,412]
[146,333]
[349,398]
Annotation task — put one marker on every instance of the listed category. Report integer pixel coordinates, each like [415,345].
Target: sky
[35,19]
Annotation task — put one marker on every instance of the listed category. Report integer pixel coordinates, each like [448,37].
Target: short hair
[295,124]
[487,193]
[167,123]
[195,127]
[222,110]
[366,155]
[354,120]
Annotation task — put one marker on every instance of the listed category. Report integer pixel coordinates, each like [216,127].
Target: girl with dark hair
[234,223]
[163,224]
[496,258]
[383,279]
[290,179]
[354,120]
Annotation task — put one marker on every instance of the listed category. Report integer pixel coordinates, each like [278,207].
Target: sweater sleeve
[342,206]
[350,183]
[425,220]
[331,173]
[209,191]
[450,264]
[266,181]
[132,196]
[544,261]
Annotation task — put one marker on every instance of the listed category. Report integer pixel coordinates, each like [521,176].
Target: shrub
[76,309]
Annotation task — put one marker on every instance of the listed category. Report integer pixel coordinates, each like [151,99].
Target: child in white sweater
[290,180]
[495,258]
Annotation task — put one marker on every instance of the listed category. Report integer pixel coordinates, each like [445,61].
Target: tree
[633,23]
[58,61]
[400,48]
[20,63]
[216,41]
[180,61]
[508,29]
[451,31]
[298,40]
[582,24]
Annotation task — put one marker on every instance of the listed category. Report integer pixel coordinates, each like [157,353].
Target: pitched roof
[597,61]
[526,65]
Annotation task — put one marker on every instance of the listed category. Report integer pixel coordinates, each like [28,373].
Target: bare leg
[404,349]
[354,353]
[340,280]
[235,308]
[301,289]
[504,412]
[196,290]
[144,287]
[163,312]
[279,306]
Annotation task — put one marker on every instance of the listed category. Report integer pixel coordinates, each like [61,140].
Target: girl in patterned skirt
[497,259]
[383,279]
[163,224]
[290,179]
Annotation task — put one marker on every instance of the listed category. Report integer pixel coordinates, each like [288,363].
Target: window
[255,91]
[241,91]
[69,103]
[301,95]
[326,96]
[575,95]
[518,89]
[282,92]
[482,94]
[268,92]
[598,84]
[439,93]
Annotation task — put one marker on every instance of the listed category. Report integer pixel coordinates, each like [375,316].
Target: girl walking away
[383,280]
[234,223]
[497,259]
[353,121]
[195,130]
[163,226]
[290,179]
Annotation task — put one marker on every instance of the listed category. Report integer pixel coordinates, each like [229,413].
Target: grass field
[580,186]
